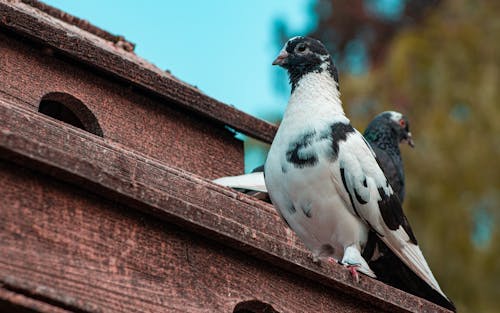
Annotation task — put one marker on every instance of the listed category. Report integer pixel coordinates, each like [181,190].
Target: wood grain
[11,301]
[127,116]
[98,256]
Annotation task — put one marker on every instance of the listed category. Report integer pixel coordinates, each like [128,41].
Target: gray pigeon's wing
[391,270]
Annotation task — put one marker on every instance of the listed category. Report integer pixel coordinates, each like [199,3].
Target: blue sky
[223,47]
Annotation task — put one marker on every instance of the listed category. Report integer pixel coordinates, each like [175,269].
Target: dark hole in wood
[254,306]
[58,111]
[68,109]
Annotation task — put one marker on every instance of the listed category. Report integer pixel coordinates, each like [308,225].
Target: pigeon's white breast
[309,200]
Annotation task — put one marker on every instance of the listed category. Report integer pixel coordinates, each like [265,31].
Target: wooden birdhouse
[107,203]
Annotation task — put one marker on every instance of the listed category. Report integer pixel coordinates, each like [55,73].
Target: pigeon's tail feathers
[252,182]
[367,271]
[412,256]
[400,275]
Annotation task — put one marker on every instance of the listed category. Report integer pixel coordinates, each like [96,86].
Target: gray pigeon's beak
[281,59]
[409,140]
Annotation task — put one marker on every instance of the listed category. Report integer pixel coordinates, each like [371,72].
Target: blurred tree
[356,31]
[444,73]
[365,26]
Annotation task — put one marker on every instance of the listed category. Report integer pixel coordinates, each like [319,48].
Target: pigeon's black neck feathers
[307,55]
[383,137]
[297,72]
[384,133]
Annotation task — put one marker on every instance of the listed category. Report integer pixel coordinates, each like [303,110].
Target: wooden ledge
[104,55]
[11,301]
[118,41]
[234,219]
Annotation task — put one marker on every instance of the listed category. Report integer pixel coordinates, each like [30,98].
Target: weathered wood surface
[233,219]
[127,116]
[102,55]
[15,302]
[117,40]
[94,255]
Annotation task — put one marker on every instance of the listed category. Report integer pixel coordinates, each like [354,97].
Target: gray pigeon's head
[303,55]
[396,122]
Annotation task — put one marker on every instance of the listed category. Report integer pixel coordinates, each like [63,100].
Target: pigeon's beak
[281,59]
[409,140]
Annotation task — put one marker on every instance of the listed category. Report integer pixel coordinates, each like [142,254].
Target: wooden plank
[126,116]
[82,24]
[98,53]
[73,248]
[231,218]
[16,302]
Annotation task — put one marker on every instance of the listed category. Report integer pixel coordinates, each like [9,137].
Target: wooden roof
[106,52]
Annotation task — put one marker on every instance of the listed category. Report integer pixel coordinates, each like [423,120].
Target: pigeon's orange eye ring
[402,123]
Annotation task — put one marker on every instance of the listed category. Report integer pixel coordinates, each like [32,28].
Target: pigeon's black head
[303,55]
[392,121]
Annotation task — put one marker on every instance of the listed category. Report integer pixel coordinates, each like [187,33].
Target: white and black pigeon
[323,177]
[384,134]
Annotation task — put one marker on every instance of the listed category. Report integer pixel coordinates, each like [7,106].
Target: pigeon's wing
[374,201]
[253,181]
[392,170]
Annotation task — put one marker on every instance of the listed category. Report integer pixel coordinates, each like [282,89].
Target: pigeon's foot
[354,272]
[354,261]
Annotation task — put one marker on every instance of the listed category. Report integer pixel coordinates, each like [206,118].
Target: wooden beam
[16,301]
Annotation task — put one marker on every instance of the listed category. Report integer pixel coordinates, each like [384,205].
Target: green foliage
[444,74]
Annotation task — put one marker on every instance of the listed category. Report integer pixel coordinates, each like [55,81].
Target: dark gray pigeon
[384,133]
[323,177]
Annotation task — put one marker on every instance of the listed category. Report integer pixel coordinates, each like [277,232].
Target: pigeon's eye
[301,48]
[402,123]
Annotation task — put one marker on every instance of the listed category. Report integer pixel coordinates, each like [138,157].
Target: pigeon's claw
[354,272]
[354,261]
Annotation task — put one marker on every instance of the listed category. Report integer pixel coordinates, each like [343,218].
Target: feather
[251,181]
